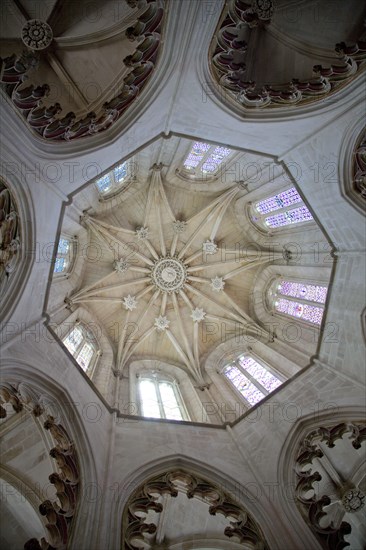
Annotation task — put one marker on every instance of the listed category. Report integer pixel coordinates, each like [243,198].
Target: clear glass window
[109,183]
[80,346]
[63,256]
[160,399]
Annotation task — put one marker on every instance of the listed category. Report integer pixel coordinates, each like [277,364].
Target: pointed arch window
[276,211]
[299,299]
[110,183]
[160,398]
[251,378]
[204,159]
[64,255]
[81,344]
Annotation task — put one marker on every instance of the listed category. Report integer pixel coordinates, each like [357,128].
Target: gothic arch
[225,75]
[353,146]
[209,480]
[26,251]
[24,388]
[299,450]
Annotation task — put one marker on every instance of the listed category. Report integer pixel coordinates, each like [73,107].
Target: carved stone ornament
[179,226]
[229,62]
[330,535]
[162,323]
[359,166]
[59,514]
[263,8]
[37,34]
[136,531]
[121,265]
[353,500]
[9,236]
[130,302]
[169,274]
[217,284]
[142,233]
[198,314]
[45,120]
[209,247]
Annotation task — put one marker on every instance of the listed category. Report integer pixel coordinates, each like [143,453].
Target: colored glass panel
[282,200]
[243,385]
[262,375]
[310,313]
[313,293]
[208,156]
[296,215]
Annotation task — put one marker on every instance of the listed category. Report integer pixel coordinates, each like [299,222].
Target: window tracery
[79,342]
[65,252]
[252,379]
[298,299]
[110,183]
[160,398]
[283,209]
[205,160]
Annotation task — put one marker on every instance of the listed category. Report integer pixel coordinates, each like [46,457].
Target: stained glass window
[283,203]
[244,385]
[251,379]
[313,293]
[79,345]
[307,312]
[204,158]
[262,375]
[301,300]
[286,198]
[159,399]
[111,181]
[64,251]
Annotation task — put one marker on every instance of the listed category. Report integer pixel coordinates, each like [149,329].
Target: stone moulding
[331,536]
[44,120]
[359,167]
[10,236]
[59,514]
[228,63]
[145,499]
